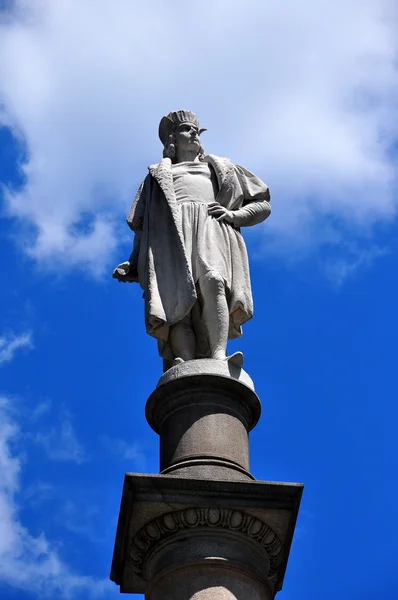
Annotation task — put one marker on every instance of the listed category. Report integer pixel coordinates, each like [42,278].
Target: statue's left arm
[256,200]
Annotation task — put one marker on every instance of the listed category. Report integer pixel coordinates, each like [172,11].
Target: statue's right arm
[133,260]
[128,270]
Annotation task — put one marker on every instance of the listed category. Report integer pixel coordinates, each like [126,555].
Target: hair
[170,150]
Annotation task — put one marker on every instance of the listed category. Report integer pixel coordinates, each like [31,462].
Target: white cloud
[303,93]
[60,442]
[10,343]
[29,562]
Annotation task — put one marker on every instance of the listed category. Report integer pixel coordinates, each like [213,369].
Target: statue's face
[187,137]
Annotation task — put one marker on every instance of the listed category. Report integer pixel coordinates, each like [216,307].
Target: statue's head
[180,130]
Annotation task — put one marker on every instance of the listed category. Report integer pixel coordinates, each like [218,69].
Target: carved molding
[166,525]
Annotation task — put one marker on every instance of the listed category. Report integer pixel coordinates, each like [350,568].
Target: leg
[182,339]
[215,314]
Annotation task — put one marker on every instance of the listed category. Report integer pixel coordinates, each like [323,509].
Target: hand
[125,273]
[220,213]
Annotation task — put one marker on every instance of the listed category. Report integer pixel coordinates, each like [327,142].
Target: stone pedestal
[203,419]
[204,528]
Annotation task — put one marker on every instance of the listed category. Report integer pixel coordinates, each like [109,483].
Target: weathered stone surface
[203,528]
[206,366]
[167,524]
[215,580]
[203,422]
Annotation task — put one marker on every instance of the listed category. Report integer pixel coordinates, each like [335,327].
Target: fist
[125,273]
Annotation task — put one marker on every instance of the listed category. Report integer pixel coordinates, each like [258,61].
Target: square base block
[154,507]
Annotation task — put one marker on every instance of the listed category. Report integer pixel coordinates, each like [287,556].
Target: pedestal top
[206,366]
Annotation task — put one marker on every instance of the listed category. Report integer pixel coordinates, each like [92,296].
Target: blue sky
[305,95]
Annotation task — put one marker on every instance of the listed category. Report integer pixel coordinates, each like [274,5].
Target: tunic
[207,241]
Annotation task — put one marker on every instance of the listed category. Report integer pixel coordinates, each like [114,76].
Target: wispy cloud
[29,562]
[39,492]
[10,343]
[340,269]
[121,449]
[42,408]
[81,518]
[60,442]
[311,106]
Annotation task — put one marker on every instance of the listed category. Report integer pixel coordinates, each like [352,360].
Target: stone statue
[189,256]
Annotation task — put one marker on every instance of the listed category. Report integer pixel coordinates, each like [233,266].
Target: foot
[178,361]
[236,359]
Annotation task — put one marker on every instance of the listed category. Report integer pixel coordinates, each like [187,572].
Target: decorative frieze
[168,524]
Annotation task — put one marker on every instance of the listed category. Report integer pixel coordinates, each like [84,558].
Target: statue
[189,256]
